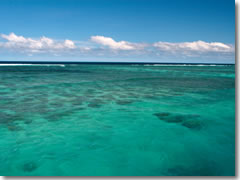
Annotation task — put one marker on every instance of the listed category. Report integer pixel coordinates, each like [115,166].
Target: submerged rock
[190,121]
[28,121]
[164,114]
[205,168]
[177,171]
[192,124]
[79,108]
[29,166]
[170,118]
[90,91]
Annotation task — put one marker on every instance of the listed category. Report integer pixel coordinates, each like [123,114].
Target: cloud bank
[107,46]
[196,46]
[43,44]
[112,44]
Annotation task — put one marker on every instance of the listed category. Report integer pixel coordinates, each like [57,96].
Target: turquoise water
[117,120]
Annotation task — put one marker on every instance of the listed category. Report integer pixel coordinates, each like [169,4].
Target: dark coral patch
[10,120]
[77,103]
[54,117]
[94,105]
[13,127]
[124,102]
[58,116]
[6,118]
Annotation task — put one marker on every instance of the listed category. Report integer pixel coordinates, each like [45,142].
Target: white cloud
[14,38]
[13,43]
[194,47]
[69,44]
[112,44]
[42,44]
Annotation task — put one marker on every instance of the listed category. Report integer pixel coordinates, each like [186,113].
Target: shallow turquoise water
[123,120]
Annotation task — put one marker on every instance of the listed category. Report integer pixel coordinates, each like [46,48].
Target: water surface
[123,120]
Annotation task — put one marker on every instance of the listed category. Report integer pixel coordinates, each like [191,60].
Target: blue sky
[118,30]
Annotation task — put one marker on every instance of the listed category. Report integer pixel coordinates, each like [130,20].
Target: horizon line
[104,62]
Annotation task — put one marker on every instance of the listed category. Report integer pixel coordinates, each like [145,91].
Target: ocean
[117,120]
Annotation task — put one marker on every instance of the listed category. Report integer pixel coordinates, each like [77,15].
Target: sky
[189,31]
